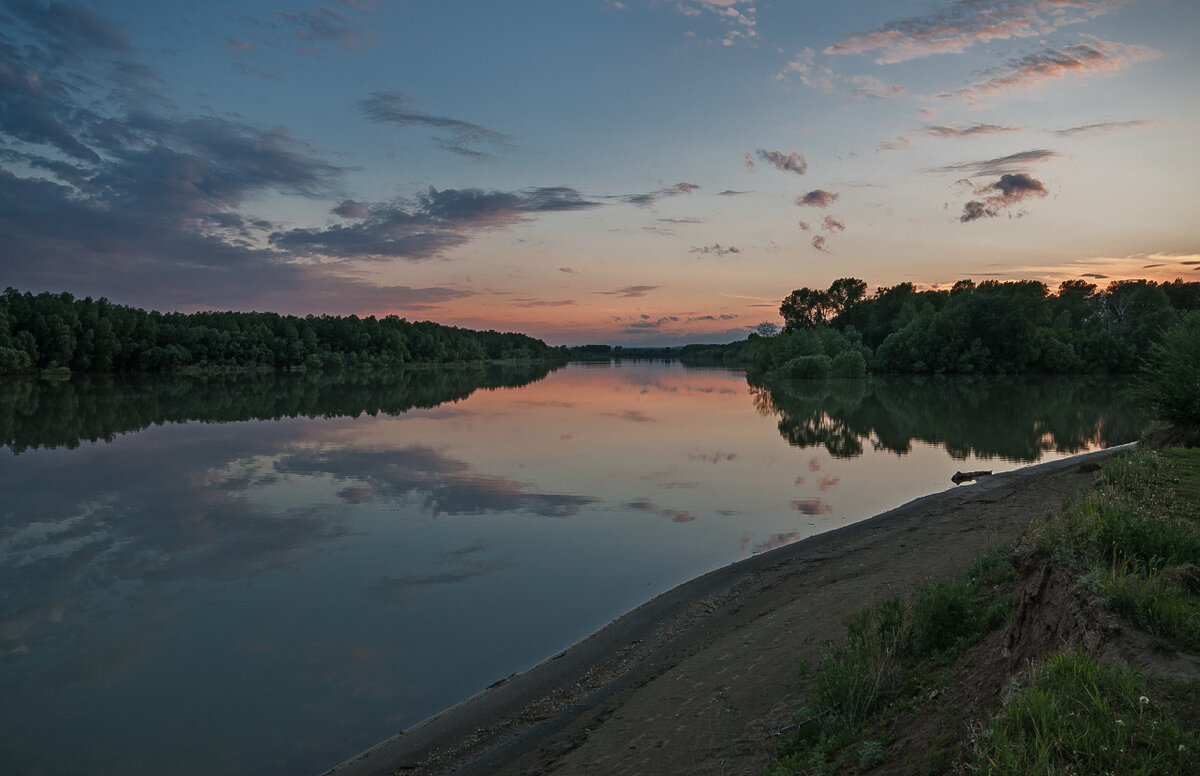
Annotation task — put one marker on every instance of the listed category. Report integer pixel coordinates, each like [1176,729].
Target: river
[266,574]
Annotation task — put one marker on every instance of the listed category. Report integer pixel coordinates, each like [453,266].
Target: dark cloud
[831,224]
[568,270]
[649,198]
[790,162]
[1002,195]
[817,198]
[1104,127]
[1013,163]
[464,136]
[630,291]
[730,193]
[351,209]
[716,249]
[818,242]
[1094,275]
[423,227]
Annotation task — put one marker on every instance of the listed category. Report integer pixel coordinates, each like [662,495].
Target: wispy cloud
[968,130]
[649,198]
[1002,196]
[313,28]
[822,78]
[463,139]
[965,23]
[1004,164]
[789,162]
[738,16]
[629,291]
[817,198]
[1033,70]
[1105,127]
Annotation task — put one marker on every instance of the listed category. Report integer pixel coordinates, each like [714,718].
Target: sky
[642,172]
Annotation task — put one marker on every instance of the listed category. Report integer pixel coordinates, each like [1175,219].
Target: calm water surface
[268,574]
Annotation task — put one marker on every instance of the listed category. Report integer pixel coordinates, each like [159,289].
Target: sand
[701,679]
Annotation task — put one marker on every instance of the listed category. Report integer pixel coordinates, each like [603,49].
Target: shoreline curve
[512,718]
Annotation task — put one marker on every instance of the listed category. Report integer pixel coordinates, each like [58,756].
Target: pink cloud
[1081,59]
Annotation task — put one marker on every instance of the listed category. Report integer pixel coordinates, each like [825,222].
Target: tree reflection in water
[1015,418]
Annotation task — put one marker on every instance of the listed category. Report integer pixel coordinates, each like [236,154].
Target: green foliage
[808,367]
[993,327]
[1137,538]
[849,363]
[1079,716]
[57,331]
[1171,374]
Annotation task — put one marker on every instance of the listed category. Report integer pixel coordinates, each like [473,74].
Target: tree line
[991,327]
[57,332]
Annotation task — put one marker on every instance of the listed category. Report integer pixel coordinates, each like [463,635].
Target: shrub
[809,367]
[849,363]
[1171,374]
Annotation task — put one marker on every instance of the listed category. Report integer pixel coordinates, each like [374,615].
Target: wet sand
[701,679]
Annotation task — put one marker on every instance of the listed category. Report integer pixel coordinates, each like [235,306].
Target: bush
[808,367]
[1171,374]
[849,363]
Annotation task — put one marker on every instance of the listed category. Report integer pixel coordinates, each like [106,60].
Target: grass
[891,650]
[1078,716]
[1135,541]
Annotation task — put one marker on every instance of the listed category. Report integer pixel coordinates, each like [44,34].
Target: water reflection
[1015,418]
[320,562]
[62,413]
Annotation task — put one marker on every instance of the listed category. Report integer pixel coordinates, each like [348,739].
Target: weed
[870,754]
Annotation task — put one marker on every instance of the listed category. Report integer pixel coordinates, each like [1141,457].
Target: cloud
[812,506]
[423,227]
[464,136]
[790,162]
[545,302]
[1002,195]
[649,198]
[805,226]
[466,564]
[831,224]
[1033,70]
[1104,127]
[870,86]
[817,198]
[897,143]
[818,242]
[629,292]
[568,270]
[965,23]
[958,130]
[349,208]
[739,17]
[730,193]
[443,484]
[1003,164]
[715,249]
[325,25]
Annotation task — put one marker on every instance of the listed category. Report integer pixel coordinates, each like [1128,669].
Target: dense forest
[993,327]
[58,332]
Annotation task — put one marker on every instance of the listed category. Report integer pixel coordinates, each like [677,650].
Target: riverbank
[700,679]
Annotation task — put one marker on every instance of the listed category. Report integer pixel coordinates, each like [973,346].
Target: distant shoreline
[528,713]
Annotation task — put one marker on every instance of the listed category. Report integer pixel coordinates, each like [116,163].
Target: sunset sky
[636,172]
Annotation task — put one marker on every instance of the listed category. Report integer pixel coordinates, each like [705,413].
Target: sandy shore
[699,680]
